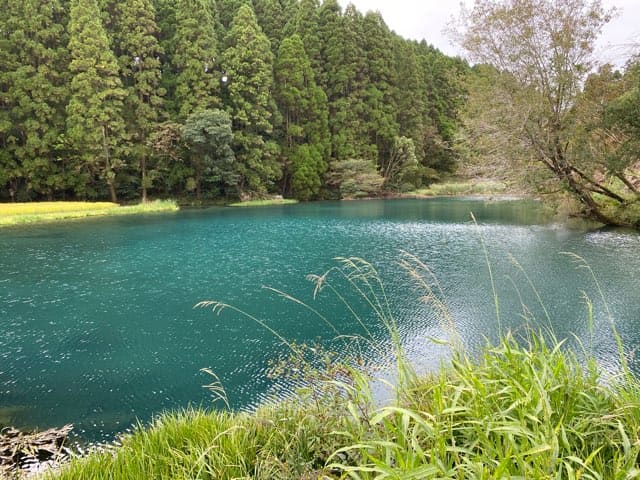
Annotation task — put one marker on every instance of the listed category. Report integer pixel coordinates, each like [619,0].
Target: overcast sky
[418,19]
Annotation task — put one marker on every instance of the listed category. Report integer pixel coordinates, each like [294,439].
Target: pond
[99,329]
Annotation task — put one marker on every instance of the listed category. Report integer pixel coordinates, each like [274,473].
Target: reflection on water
[99,329]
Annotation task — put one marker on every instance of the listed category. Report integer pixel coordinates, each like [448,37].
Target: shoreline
[18,214]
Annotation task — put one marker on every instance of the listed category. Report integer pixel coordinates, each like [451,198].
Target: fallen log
[32,451]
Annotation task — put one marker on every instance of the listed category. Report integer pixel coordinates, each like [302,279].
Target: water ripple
[99,329]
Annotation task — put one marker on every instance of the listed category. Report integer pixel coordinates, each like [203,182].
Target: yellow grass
[52,207]
[470,187]
[40,212]
[264,203]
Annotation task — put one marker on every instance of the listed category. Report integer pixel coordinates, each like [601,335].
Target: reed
[525,409]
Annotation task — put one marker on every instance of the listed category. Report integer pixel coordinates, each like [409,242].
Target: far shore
[467,188]
[15,214]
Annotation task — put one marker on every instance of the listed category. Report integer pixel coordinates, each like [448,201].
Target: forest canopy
[203,100]
[206,99]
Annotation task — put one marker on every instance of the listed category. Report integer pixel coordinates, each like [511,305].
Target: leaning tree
[543,50]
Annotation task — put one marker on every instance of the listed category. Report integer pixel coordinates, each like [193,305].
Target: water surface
[98,327]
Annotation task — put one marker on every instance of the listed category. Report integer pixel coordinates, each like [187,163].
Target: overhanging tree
[546,46]
[609,132]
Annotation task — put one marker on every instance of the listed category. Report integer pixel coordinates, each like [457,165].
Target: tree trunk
[112,191]
[599,187]
[628,183]
[143,167]
[109,173]
[12,191]
[593,209]
[565,172]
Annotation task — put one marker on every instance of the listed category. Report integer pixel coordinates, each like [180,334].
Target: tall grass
[526,407]
[273,443]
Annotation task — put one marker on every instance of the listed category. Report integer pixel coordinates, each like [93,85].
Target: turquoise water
[98,327]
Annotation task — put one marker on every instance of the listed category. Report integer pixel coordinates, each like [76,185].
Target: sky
[426,19]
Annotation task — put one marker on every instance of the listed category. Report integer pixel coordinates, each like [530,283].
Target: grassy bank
[462,187]
[524,409]
[40,212]
[264,203]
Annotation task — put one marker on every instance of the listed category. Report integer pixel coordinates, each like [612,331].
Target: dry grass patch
[34,208]
[41,212]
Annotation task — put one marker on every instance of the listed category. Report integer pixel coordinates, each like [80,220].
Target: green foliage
[171,169]
[355,178]
[410,99]
[138,51]
[305,24]
[329,32]
[33,78]
[445,98]
[194,59]
[606,138]
[400,169]
[305,126]
[308,166]
[621,116]
[208,136]
[248,62]
[95,127]
[273,16]
[228,9]
[379,95]
[88,86]
[524,409]
[275,443]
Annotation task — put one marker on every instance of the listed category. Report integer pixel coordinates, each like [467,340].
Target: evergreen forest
[218,99]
